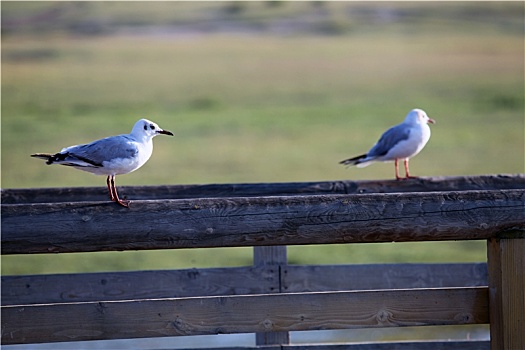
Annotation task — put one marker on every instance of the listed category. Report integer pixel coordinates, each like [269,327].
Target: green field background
[260,92]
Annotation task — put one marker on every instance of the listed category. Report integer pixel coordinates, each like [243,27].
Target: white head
[147,129]
[418,116]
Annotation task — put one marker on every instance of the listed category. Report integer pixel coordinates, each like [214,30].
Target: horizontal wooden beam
[243,314]
[60,288]
[320,278]
[107,286]
[425,184]
[404,345]
[383,345]
[245,221]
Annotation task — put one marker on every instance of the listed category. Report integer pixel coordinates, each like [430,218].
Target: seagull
[400,142]
[111,156]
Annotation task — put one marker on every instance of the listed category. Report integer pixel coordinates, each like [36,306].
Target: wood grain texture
[266,215]
[415,345]
[107,286]
[274,257]
[404,345]
[319,278]
[245,221]
[242,314]
[270,256]
[93,194]
[507,297]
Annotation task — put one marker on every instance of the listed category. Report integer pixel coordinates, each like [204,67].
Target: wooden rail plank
[107,286]
[408,345]
[507,296]
[92,194]
[229,222]
[319,278]
[404,345]
[243,314]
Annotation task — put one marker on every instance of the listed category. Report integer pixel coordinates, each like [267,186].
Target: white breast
[119,166]
[417,139]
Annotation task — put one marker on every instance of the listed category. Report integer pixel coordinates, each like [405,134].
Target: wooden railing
[270,298]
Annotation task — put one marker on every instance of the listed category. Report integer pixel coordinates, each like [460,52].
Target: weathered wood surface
[243,314]
[228,222]
[274,257]
[507,293]
[107,286]
[416,345]
[93,194]
[319,278]
[403,345]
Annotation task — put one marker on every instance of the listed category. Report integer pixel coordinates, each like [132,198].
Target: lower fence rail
[243,314]
[418,345]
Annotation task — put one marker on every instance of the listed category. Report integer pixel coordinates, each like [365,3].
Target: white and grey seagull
[400,142]
[111,156]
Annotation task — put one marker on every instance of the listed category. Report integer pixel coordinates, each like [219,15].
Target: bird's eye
[145,127]
[152,127]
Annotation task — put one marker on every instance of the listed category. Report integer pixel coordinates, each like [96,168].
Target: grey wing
[388,140]
[97,152]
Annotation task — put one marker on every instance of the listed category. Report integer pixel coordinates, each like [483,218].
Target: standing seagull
[402,141]
[111,156]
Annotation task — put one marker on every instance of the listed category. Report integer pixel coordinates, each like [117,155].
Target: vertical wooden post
[271,256]
[506,267]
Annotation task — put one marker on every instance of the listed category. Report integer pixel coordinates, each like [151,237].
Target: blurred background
[260,92]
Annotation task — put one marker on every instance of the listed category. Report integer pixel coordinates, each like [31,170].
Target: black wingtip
[353,161]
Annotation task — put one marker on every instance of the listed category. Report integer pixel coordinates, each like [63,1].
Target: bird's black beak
[165,132]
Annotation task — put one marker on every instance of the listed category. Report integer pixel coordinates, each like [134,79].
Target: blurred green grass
[250,107]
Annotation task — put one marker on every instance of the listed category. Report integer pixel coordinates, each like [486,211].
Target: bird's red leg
[397,170]
[122,202]
[407,171]
[111,196]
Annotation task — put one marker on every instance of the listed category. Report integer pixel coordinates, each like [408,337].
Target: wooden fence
[270,298]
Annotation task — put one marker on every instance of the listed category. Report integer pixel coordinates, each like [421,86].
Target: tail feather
[354,160]
[49,158]
[44,156]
